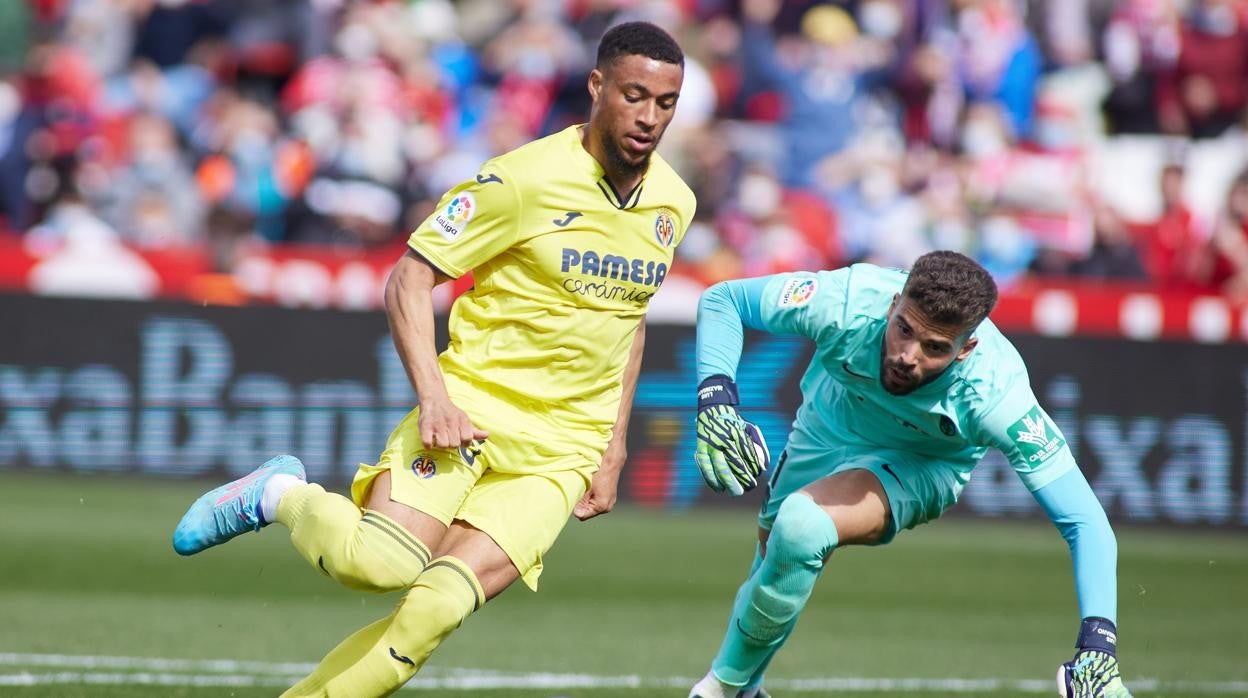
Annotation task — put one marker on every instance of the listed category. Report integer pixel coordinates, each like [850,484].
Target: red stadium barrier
[350,279]
[1126,311]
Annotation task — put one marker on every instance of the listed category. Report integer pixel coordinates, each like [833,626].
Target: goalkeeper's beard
[895,377]
[899,380]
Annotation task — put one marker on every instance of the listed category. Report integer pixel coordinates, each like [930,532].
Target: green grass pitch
[94,602]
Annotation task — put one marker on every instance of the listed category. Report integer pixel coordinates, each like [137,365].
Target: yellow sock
[361,550]
[380,658]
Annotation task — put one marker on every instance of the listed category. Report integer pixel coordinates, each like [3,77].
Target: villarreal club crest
[424,467]
[664,229]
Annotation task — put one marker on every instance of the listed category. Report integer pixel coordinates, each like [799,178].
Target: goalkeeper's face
[915,350]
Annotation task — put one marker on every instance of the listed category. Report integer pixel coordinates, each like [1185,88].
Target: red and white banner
[1141,313]
[323,277]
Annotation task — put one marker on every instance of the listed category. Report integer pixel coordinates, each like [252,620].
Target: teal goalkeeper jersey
[982,402]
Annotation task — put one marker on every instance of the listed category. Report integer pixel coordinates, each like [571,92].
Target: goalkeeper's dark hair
[638,39]
[949,288]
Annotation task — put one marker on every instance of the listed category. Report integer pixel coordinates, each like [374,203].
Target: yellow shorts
[522,512]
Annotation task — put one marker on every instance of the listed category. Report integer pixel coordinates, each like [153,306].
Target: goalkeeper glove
[1093,673]
[731,452]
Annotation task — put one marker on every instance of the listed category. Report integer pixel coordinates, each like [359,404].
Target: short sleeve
[472,224]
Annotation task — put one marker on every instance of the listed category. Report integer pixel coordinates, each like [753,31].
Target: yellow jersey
[563,268]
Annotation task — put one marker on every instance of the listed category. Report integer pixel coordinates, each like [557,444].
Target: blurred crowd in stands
[1089,138]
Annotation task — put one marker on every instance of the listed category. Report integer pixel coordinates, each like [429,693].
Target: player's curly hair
[638,39]
[951,289]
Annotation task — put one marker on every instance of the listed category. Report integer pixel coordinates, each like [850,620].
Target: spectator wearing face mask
[1140,43]
[998,60]
[153,200]
[1042,185]
[880,221]
[1205,93]
[776,228]
[821,77]
[250,168]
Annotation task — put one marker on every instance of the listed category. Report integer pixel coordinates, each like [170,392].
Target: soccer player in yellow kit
[522,419]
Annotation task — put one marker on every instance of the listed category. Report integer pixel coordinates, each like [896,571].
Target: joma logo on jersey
[1037,439]
[610,266]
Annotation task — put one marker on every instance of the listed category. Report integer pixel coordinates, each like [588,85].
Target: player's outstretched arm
[724,311]
[1072,506]
[730,452]
[409,310]
[600,498]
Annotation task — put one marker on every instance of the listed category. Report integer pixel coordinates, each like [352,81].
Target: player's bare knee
[859,525]
[857,503]
[803,532]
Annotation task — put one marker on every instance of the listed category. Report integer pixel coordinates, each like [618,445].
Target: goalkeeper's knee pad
[803,533]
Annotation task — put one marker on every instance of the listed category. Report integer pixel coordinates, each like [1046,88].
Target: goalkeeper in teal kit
[909,386]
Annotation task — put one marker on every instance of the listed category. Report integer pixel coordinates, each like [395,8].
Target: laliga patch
[424,467]
[452,219]
[664,229]
[1036,437]
[797,292]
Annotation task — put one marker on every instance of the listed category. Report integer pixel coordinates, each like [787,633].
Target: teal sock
[738,610]
[757,679]
[742,599]
[770,601]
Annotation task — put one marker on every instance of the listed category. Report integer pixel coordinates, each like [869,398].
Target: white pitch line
[157,664]
[227,672]
[142,679]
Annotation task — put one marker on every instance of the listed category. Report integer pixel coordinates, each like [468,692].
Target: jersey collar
[594,170]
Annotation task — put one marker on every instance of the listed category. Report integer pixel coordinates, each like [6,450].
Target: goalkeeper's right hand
[731,452]
[1093,673]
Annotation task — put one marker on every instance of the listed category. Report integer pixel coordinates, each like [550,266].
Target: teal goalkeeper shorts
[919,488]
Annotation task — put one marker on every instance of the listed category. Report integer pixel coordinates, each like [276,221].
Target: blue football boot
[231,509]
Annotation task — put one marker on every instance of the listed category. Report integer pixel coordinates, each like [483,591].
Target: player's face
[634,101]
[915,350]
